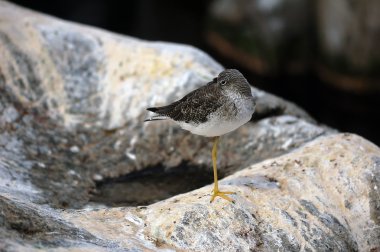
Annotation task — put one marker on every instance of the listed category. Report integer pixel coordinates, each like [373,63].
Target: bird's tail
[153,109]
[155,117]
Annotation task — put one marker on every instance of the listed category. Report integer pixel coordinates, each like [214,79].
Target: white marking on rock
[74,149]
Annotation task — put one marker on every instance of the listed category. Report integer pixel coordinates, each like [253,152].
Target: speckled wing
[195,106]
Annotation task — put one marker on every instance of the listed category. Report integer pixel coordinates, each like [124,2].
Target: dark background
[184,22]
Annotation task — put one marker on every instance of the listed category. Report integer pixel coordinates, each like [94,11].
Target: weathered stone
[298,201]
[316,198]
[72,103]
[268,105]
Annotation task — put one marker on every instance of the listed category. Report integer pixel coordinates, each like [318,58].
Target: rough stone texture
[74,98]
[322,197]
[72,102]
[298,201]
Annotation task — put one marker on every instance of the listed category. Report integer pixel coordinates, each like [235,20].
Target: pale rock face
[71,74]
[72,102]
[323,197]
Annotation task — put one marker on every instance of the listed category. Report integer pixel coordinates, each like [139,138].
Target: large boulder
[72,137]
[73,103]
[322,197]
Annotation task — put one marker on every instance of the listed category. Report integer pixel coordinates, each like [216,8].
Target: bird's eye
[223,82]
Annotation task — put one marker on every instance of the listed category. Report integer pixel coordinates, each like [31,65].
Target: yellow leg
[216,191]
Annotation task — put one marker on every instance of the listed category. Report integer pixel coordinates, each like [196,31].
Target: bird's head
[232,79]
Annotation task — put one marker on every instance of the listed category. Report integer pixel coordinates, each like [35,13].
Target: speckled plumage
[217,108]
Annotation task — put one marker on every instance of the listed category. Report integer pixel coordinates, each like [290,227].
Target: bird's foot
[223,195]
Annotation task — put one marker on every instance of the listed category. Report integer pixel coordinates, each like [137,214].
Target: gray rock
[81,103]
[74,101]
[315,198]
[9,115]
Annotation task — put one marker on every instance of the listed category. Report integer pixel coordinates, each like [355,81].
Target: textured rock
[322,197]
[74,98]
[298,201]
[70,73]
[72,102]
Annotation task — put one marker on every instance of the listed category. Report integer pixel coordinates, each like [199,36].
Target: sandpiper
[219,107]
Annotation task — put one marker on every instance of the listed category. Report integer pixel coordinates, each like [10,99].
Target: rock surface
[72,102]
[324,197]
[74,98]
[298,201]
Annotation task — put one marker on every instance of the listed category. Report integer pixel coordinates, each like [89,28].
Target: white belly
[217,125]
[213,128]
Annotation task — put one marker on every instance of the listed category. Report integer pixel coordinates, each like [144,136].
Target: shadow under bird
[219,107]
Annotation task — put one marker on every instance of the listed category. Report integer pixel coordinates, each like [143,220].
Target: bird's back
[213,109]
[195,107]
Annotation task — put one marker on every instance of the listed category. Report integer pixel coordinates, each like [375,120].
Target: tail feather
[155,117]
[153,109]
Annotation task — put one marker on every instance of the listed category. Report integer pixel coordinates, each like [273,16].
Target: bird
[217,108]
